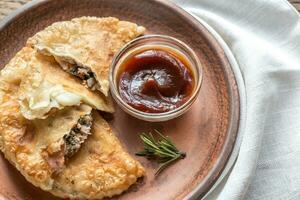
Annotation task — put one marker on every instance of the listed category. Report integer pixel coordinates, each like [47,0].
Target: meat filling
[77,135]
[86,75]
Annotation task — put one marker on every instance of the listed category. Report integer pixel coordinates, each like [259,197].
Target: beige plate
[206,133]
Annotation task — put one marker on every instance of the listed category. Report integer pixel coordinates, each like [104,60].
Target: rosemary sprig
[163,150]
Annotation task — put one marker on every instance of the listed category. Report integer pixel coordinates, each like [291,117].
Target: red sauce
[155,81]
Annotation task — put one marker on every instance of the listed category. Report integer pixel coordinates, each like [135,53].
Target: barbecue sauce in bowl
[155,80]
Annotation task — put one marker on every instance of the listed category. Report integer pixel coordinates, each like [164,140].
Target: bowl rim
[155,116]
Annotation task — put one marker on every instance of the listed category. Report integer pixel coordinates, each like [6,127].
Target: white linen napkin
[264,36]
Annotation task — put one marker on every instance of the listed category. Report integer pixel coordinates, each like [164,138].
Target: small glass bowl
[155,41]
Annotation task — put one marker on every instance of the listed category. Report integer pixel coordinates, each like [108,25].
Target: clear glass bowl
[149,42]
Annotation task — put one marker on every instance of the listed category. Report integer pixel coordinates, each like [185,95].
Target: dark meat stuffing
[77,135]
[86,75]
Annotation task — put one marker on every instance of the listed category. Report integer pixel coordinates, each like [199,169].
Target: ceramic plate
[207,132]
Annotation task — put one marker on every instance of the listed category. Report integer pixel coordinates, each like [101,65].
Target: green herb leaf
[162,150]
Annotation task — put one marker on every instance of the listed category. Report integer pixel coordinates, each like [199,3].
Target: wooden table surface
[7,6]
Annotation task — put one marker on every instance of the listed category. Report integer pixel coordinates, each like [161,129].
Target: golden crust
[101,167]
[89,42]
[44,86]
[108,169]
[15,70]
[23,141]
[15,133]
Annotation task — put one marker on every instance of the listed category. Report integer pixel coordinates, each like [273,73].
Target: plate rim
[243,108]
[209,182]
